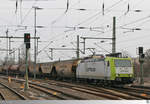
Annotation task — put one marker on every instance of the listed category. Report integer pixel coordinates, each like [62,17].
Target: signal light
[27,40]
[27,37]
[140,50]
[142,55]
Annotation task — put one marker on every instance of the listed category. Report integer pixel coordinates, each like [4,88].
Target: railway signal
[27,43]
[140,50]
[27,40]
[141,60]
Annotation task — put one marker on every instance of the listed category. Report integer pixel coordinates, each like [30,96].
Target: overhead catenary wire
[113,5]
[64,13]
[54,38]
[64,54]
[102,48]
[139,44]
[77,31]
[133,39]
[138,3]
[142,23]
[96,14]
[107,9]
[135,21]
[28,12]
[128,8]
[50,42]
[106,12]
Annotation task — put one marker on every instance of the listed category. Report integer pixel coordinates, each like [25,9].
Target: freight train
[108,69]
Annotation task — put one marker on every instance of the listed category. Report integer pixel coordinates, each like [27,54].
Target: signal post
[27,44]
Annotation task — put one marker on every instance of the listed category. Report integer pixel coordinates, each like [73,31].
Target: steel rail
[2,96]
[14,91]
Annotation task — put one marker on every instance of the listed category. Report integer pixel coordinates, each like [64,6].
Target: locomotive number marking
[90,69]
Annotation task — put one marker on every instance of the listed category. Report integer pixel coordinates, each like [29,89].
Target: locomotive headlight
[130,75]
[117,75]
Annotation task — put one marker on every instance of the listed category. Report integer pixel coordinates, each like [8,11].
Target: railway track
[124,93]
[53,91]
[8,93]
[71,92]
[65,93]
[51,94]
[32,93]
[84,89]
[140,89]
[78,91]
[132,92]
[100,91]
[2,96]
[56,93]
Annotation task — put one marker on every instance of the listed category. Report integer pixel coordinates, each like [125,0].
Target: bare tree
[147,55]
[147,63]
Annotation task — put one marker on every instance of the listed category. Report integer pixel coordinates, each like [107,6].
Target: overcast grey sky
[56,22]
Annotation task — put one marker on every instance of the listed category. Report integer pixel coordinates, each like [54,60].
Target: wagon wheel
[40,72]
[73,72]
[54,73]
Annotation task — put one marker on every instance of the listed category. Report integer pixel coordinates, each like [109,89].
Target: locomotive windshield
[122,63]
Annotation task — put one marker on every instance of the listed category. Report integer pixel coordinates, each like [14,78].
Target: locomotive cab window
[122,63]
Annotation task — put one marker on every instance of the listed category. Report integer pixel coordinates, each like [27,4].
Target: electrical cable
[117,2]
[107,11]
[96,14]
[143,23]
[64,13]
[49,42]
[133,45]
[135,21]
[114,5]
[111,30]
[28,12]
[140,37]
[101,48]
